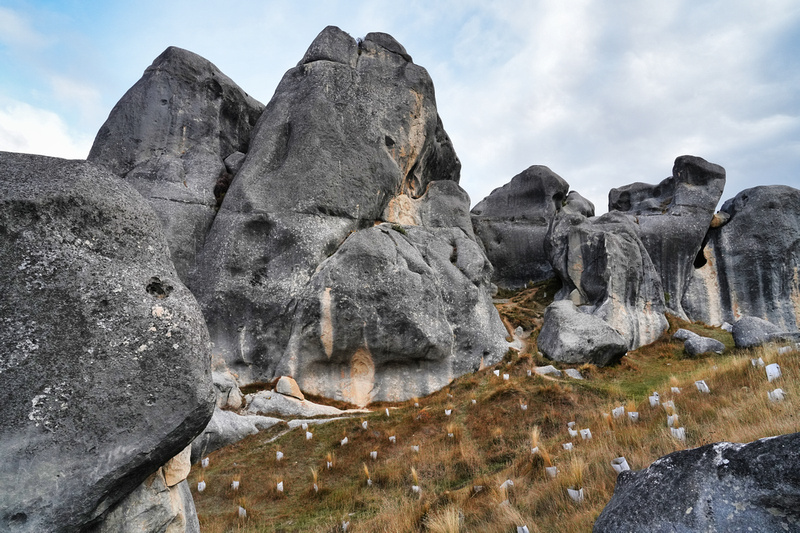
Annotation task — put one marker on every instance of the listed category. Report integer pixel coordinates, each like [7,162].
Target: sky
[605,93]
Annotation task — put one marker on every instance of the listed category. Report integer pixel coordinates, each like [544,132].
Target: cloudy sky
[604,93]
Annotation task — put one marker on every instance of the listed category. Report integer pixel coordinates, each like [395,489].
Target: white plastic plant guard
[675,390]
[572,432]
[415,488]
[345,525]
[506,484]
[523,529]
[783,350]
[702,387]
[773,372]
[242,512]
[586,434]
[505,377]
[654,401]
[633,416]
[316,487]
[523,406]
[668,405]
[552,471]
[201,486]
[575,494]
[571,425]
[776,396]
[204,462]
[278,456]
[620,464]
[618,412]
[530,372]
[448,412]
[496,373]
[309,435]
[369,482]
[364,424]
[329,464]
[304,426]
[416,404]
[535,450]
[672,421]
[343,441]
[757,362]
[373,455]
[415,448]
[451,435]
[387,411]
[280,486]
[679,433]
[474,401]
[392,439]
[235,485]
[567,446]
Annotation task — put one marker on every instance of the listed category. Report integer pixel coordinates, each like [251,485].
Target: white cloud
[16,30]
[27,129]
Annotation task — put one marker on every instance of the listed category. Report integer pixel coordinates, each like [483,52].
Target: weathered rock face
[752,262]
[718,487]
[352,341]
[103,347]
[512,224]
[169,137]
[673,218]
[606,271]
[226,428]
[751,331]
[351,137]
[570,336]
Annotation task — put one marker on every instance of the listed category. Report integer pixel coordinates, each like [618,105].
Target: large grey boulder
[396,312]
[570,336]
[672,219]
[351,138]
[226,428]
[606,271]
[750,264]
[512,224]
[751,331]
[170,136]
[718,487]
[105,367]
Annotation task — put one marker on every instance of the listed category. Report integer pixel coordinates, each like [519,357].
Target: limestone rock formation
[352,341]
[350,138]
[717,487]
[171,136]
[105,350]
[606,271]
[750,265]
[673,218]
[512,224]
[751,331]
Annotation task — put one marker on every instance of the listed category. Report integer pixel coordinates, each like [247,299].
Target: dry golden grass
[491,442]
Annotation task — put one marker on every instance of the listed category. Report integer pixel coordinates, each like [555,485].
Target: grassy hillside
[464,458]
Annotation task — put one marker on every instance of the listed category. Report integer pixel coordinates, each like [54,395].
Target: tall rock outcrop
[512,224]
[606,272]
[750,265]
[351,138]
[178,136]
[105,367]
[717,487]
[673,218]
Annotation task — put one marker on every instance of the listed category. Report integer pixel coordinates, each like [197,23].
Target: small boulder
[288,387]
[548,370]
[698,345]
[574,373]
[750,331]
[570,336]
[684,334]
[717,487]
